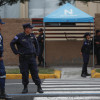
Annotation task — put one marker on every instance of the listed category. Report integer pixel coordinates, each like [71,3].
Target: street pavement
[71,86]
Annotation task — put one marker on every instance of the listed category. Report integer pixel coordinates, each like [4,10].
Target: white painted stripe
[72,81]
[70,89]
[71,92]
[68,98]
[17,83]
[3,76]
[83,79]
[71,85]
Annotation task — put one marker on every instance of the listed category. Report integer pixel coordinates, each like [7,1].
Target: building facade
[41,8]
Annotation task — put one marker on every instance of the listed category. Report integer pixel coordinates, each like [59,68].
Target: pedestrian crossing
[70,89]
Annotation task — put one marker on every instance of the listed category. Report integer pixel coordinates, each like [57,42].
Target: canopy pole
[44,43]
[90,57]
[93,46]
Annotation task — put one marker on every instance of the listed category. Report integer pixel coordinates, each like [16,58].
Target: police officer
[40,39]
[97,46]
[85,50]
[27,50]
[2,68]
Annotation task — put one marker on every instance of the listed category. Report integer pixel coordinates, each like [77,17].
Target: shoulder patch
[16,37]
[85,43]
[0,38]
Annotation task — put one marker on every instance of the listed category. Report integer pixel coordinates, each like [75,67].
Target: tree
[10,2]
[85,1]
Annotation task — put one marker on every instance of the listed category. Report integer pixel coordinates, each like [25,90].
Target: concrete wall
[63,52]
[97,21]
[90,7]
[10,29]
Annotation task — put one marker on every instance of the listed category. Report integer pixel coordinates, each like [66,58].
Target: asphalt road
[14,88]
[57,89]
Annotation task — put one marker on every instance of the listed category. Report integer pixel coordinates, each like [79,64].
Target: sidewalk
[73,73]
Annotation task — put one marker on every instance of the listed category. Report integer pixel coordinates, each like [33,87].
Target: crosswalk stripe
[72,89]
[71,84]
[77,89]
[69,98]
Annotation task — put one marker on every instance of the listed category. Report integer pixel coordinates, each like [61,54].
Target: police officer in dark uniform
[85,50]
[27,50]
[40,39]
[2,68]
[97,46]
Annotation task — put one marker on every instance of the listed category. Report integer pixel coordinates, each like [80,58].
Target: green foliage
[98,70]
[61,2]
[10,2]
[41,71]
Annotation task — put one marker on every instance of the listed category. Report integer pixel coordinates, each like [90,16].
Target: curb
[95,74]
[57,74]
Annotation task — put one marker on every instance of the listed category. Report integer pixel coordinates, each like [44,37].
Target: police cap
[27,25]
[40,30]
[97,31]
[86,34]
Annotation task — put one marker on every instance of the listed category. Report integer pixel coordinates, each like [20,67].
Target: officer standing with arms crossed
[27,50]
[2,68]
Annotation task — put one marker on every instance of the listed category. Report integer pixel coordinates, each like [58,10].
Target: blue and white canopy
[68,13]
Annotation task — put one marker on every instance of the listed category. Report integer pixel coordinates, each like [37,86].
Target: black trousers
[28,63]
[85,63]
[98,55]
[40,57]
[2,75]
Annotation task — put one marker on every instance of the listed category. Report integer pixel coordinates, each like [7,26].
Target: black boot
[83,74]
[39,89]
[87,74]
[3,95]
[25,90]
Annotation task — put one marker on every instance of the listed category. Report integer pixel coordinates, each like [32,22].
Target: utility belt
[28,55]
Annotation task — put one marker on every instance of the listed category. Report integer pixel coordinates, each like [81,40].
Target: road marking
[17,83]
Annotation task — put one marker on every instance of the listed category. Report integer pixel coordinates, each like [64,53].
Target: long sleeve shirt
[1,45]
[25,44]
[86,47]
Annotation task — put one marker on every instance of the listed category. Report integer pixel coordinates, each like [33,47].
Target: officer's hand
[97,43]
[80,53]
[1,58]
[18,55]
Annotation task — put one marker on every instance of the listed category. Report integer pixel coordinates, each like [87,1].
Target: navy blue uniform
[2,68]
[97,48]
[40,39]
[85,53]
[27,48]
